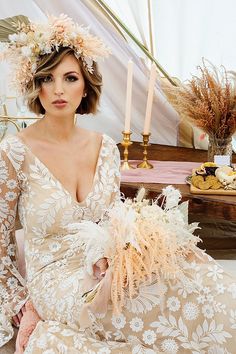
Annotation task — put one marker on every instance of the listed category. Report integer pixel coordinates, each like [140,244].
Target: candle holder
[145,144]
[126,143]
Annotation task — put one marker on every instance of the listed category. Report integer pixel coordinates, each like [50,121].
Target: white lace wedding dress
[164,318]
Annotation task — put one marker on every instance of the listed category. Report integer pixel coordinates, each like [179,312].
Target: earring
[85,94]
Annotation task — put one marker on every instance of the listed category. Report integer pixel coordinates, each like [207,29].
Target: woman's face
[62,90]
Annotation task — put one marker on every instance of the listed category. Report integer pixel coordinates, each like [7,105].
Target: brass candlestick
[126,143]
[145,144]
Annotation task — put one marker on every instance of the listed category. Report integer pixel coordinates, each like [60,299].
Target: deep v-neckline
[56,179]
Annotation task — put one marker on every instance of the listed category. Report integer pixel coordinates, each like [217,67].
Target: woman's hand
[99,268]
[17,318]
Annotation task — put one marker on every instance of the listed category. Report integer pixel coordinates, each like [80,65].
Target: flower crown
[33,40]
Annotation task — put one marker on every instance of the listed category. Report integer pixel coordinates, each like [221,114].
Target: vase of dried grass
[219,146]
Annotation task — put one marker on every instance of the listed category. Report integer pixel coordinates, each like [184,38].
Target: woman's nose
[58,87]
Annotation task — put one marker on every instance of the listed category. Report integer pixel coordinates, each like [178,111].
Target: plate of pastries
[210,178]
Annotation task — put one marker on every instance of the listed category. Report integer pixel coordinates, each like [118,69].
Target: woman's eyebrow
[71,72]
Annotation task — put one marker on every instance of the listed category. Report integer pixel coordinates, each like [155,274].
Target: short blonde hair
[93,83]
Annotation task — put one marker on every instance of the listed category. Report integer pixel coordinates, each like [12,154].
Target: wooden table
[216,213]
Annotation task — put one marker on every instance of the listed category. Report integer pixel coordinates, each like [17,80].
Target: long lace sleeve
[12,290]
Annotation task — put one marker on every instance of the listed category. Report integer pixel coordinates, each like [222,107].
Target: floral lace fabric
[165,317]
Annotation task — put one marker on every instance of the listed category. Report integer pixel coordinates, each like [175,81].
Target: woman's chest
[75,173]
[46,205]
[74,169]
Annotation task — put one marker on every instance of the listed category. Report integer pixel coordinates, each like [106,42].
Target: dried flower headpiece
[30,40]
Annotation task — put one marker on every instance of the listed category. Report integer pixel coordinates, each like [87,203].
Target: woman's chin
[59,112]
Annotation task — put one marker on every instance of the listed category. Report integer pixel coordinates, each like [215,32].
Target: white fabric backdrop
[188,30]
[184,31]
[134,14]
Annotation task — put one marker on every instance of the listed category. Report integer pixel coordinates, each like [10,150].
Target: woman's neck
[56,129]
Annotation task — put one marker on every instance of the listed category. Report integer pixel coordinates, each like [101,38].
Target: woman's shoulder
[103,146]
[98,138]
[109,139]
[109,149]
[110,144]
[12,149]
[17,140]
[11,142]
[29,132]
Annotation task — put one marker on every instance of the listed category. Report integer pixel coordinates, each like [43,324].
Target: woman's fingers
[17,318]
[19,315]
[16,321]
[100,268]
[102,264]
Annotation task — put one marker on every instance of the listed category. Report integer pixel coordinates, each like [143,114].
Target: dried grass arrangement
[207,100]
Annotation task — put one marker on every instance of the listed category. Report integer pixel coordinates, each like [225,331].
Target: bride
[62,179]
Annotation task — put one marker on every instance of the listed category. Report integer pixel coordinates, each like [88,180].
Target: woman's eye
[71,78]
[47,79]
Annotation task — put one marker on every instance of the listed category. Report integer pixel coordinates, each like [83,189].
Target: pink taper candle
[151,85]
[128,96]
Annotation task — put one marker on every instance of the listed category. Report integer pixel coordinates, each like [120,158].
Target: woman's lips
[59,103]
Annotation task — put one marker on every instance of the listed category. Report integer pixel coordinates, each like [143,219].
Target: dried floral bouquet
[147,240]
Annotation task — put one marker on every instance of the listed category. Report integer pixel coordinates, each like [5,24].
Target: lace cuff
[8,310]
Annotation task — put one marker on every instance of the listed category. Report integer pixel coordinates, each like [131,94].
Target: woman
[62,179]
